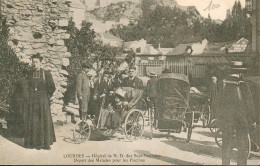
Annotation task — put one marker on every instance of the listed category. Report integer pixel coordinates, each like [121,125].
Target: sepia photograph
[129,82]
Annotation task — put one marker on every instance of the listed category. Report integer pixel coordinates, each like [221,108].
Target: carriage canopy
[173,93]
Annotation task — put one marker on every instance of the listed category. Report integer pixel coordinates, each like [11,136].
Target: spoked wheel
[254,146]
[190,126]
[218,140]
[248,147]
[134,125]
[214,126]
[206,116]
[81,132]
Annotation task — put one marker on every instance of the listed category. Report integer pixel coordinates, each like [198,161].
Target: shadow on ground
[9,135]
[197,147]
[207,134]
[166,158]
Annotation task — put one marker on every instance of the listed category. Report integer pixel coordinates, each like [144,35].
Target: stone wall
[38,26]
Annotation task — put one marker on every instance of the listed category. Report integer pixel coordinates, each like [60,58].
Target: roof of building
[179,50]
[77,4]
[165,50]
[107,36]
[111,37]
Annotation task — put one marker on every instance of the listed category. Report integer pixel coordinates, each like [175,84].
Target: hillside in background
[115,12]
[131,10]
[173,25]
[168,23]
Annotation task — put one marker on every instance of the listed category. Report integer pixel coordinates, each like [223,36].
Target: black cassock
[39,129]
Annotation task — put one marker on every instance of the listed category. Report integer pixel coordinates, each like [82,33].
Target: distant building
[109,39]
[77,12]
[140,47]
[189,48]
[238,47]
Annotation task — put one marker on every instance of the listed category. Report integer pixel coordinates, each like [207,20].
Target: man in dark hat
[151,88]
[236,113]
[83,89]
[103,93]
[132,81]
[166,71]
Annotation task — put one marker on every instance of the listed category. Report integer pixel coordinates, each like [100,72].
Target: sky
[217,8]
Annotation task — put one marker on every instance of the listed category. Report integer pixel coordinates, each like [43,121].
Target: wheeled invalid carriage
[133,120]
[171,112]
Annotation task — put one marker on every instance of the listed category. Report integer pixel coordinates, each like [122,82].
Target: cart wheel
[218,138]
[214,126]
[190,126]
[134,125]
[82,132]
[206,115]
[151,121]
[234,151]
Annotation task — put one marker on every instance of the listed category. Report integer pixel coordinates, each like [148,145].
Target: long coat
[135,83]
[236,103]
[151,87]
[83,89]
[104,87]
[39,130]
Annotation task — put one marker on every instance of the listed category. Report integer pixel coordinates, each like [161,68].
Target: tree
[173,26]
[84,48]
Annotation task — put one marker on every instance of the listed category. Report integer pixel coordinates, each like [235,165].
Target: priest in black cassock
[39,129]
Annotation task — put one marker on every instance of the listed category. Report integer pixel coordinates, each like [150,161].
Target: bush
[10,68]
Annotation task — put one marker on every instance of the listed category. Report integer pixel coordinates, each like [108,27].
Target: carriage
[200,105]
[132,120]
[171,112]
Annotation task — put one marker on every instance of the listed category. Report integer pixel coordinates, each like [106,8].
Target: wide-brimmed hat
[38,56]
[153,74]
[237,65]
[132,67]
[120,93]
[91,72]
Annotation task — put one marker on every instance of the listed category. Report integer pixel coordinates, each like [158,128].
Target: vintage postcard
[129,82]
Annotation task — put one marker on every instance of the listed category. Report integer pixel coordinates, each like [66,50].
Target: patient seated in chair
[116,110]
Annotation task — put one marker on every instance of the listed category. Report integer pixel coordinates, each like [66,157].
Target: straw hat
[120,93]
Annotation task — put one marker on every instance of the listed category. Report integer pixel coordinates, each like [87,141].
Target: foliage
[172,26]
[10,67]
[84,48]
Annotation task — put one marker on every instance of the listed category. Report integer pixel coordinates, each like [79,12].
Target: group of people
[33,92]
[103,98]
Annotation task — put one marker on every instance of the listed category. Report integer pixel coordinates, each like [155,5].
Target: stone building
[77,12]
[39,27]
